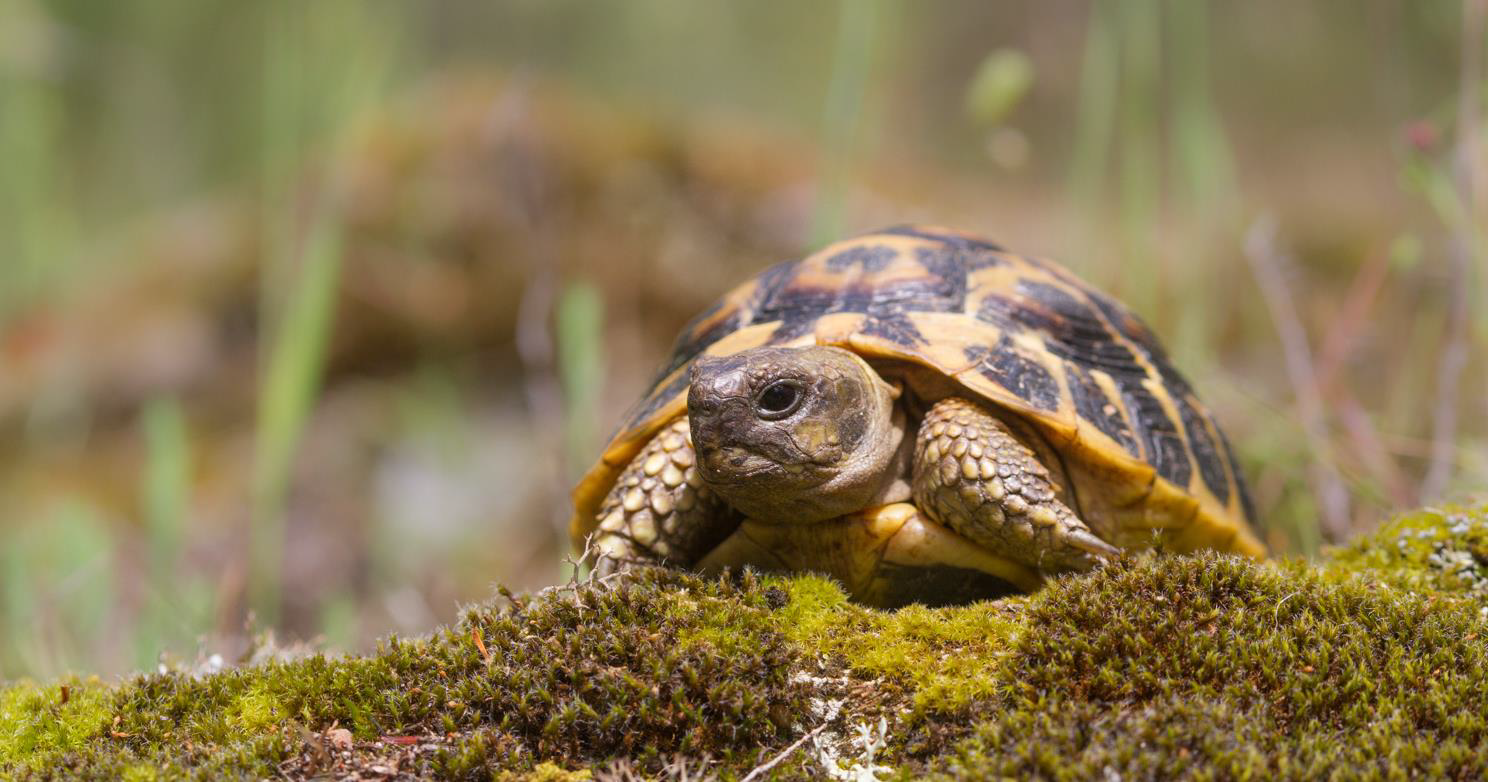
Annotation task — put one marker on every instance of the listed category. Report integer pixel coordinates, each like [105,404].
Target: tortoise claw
[1087,542]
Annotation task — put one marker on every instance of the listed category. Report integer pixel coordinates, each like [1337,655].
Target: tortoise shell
[1139,451]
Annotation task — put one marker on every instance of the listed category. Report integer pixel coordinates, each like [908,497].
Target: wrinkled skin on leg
[974,476]
[660,511]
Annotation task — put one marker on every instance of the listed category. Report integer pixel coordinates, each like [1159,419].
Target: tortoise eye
[779,399]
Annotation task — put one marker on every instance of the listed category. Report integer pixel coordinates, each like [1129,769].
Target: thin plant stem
[1461,257]
[1267,263]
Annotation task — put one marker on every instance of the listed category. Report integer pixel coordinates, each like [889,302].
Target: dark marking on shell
[1162,444]
[957,259]
[1129,325]
[984,259]
[871,258]
[1206,454]
[1079,335]
[1023,377]
[1205,451]
[775,299]
[796,309]
[1094,406]
[950,269]
[1173,380]
[998,310]
[895,328]
[768,285]
[886,302]
[964,242]
[931,293]
[1072,330]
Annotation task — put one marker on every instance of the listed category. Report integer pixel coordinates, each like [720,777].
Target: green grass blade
[290,384]
[167,492]
[581,370]
[852,59]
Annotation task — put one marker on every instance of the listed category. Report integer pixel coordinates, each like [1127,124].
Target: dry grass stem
[1461,257]
[1267,262]
[761,770]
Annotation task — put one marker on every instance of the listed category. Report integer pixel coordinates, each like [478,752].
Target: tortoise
[922,415]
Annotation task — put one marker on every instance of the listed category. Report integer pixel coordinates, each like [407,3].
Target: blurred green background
[311,312]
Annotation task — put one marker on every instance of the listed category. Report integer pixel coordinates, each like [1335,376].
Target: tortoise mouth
[731,465]
[716,478]
[735,466]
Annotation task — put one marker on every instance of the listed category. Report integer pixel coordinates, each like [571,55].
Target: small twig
[1267,262]
[759,771]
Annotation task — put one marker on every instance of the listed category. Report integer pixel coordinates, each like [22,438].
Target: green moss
[550,772]
[255,711]
[1430,550]
[573,677]
[1176,667]
[1370,664]
[943,657]
[38,723]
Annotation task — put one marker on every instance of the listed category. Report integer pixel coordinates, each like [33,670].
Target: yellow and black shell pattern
[1023,334]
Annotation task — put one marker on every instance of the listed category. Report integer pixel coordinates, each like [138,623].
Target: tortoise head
[789,435]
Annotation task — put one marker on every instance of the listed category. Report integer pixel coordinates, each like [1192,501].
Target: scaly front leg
[973,475]
[660,511]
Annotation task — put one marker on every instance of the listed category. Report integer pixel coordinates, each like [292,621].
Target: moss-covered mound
[1372,664]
